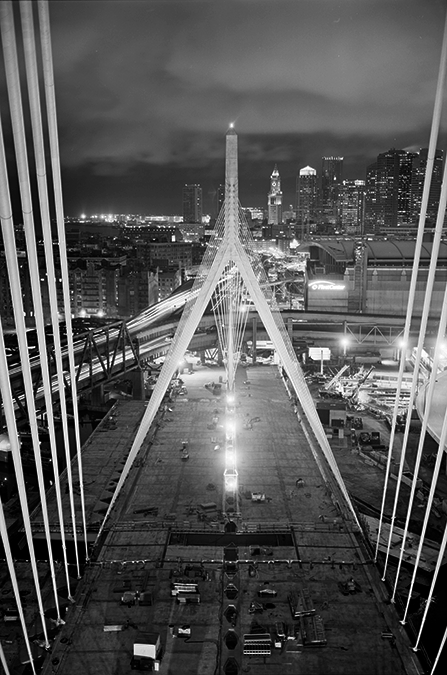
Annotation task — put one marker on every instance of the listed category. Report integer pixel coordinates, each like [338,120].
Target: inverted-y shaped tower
[230,248]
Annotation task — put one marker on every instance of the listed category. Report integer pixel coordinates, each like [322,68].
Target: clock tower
[275,199]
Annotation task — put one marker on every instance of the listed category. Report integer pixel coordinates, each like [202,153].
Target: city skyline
[147,90]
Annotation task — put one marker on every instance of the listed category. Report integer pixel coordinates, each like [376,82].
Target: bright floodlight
[230,428]
[230,479]
[229,453]
[401,344]
[230,398]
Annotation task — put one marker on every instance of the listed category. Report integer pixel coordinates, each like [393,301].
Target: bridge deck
[102,461]
[158,526]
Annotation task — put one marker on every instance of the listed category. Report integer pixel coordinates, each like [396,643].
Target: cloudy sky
[146,90]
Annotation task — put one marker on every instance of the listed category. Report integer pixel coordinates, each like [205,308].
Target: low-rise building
[370,275]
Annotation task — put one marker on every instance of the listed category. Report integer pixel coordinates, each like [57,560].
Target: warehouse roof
[379,251]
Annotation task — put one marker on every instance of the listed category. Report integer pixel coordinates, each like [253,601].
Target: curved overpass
[107,352]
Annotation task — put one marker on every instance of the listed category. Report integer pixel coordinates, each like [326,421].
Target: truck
[146,652]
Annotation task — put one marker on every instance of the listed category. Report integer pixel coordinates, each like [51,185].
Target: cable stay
[231,247]
[434,133]
[414,387]
[53,140]
[5,389]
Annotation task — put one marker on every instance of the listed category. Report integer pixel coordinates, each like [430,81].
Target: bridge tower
[231,272]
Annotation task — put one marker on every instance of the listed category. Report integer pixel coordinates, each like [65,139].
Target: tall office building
[371,199]
[274,199]
[352,205]
[306,198]
[192,204]
[331,179]
[388,191]
[417,186]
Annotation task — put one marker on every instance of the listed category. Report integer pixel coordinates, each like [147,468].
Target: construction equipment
[329,385]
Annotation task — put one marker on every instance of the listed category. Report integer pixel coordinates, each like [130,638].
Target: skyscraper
[352,205]
[417,186]
[306,197]
[331,179]
[192,204]
[274,200]
[388,191]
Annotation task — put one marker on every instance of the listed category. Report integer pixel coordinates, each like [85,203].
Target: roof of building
[307,170]
[378,250]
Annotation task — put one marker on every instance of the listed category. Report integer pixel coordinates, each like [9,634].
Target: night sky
[146,91]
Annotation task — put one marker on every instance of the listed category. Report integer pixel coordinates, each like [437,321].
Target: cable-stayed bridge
[305,552]
[104,354]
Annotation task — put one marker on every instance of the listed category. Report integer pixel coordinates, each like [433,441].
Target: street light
[401,346]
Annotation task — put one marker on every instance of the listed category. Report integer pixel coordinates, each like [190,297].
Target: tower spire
[231,251]
[231,184]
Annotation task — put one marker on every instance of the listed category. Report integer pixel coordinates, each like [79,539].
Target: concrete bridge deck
[158,527]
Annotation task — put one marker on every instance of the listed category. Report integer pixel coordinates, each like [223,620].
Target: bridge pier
[136,378]
[97,396]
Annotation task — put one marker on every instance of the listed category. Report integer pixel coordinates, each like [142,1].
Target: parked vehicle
[267,592]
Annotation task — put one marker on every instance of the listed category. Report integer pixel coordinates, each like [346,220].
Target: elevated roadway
[105,353]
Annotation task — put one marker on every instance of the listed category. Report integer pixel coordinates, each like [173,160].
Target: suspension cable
[50,100]
[425,419]
[33,93]
[8,39]
[421,338]
[3,660]
[5,388]
[442,547]
[434,132]
[438,655]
